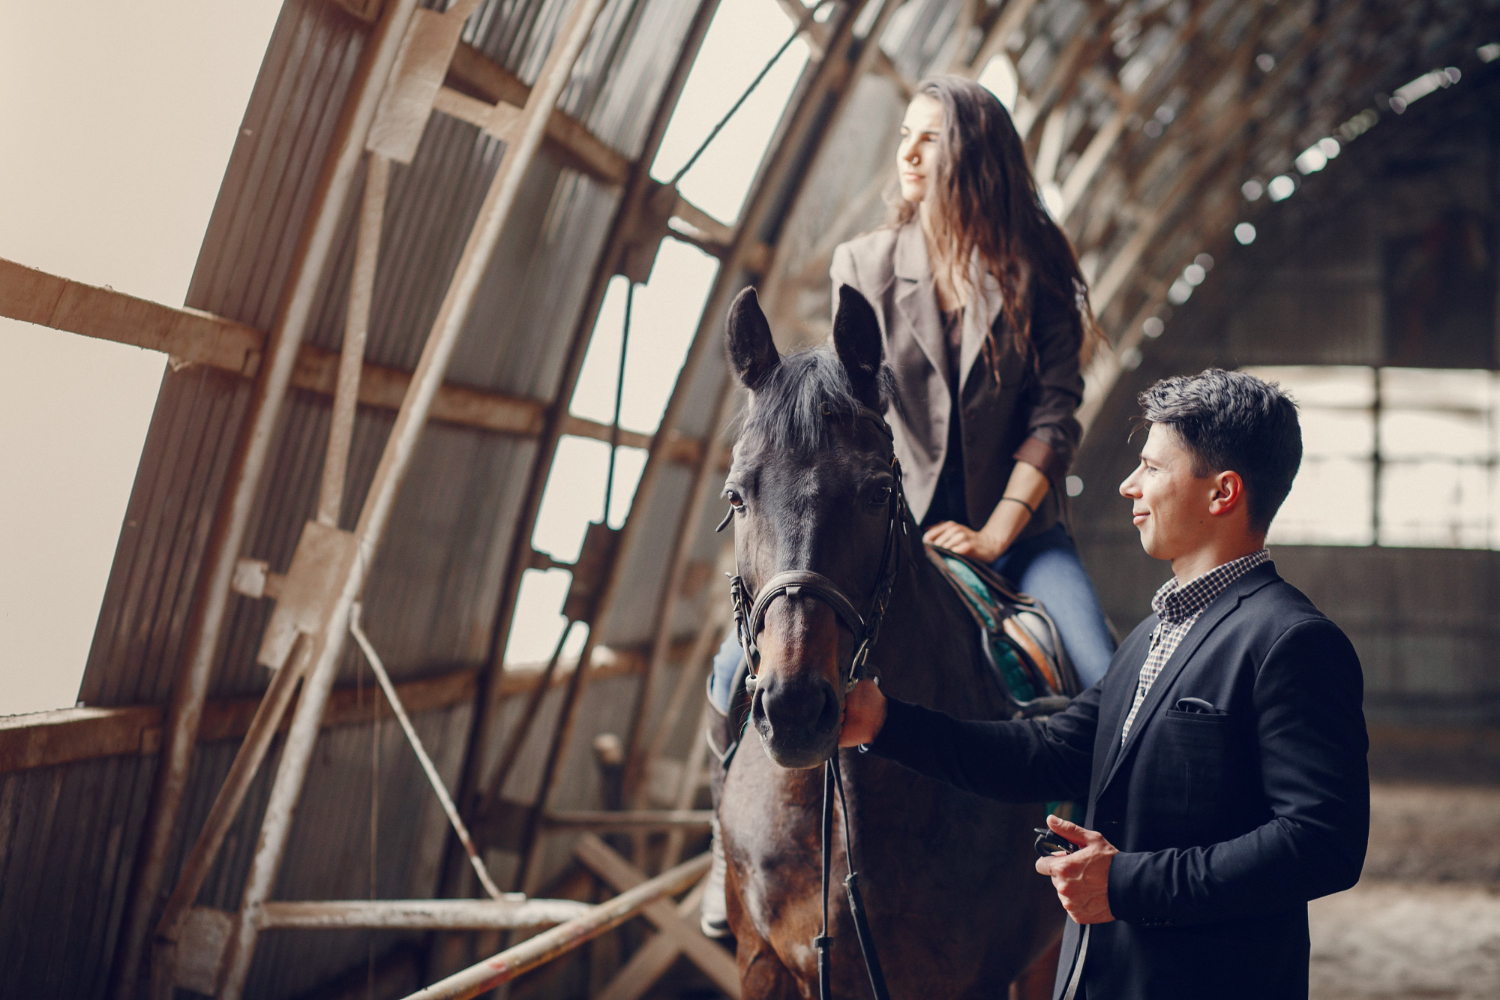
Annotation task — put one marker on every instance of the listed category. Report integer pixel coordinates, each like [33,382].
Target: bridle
[866,628]
[750,613]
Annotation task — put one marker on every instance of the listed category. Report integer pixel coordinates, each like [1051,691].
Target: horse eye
[734,499]
[880,496]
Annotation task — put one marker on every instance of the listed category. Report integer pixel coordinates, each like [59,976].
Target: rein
[833,781]
[750,615]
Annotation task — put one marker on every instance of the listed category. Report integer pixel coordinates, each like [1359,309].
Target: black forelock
[786,411]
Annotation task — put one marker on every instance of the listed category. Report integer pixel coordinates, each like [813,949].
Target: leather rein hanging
[866,629]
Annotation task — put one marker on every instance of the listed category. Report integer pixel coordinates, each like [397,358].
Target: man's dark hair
[1233,422]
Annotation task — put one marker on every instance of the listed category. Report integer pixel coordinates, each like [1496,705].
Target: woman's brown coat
[1027,416]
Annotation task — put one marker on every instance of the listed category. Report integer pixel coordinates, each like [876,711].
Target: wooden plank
[711,229]
[600,820]
[193,337]
[486,94]
[715,962]
[42,739]
[515,912]
[45,739]
[188,335]
[317,371]
[653,958]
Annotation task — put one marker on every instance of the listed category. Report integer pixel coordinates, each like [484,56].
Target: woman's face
[917,154]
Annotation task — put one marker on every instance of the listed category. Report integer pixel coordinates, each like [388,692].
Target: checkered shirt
[1178,607]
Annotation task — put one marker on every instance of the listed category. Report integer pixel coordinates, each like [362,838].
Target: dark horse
[954,905]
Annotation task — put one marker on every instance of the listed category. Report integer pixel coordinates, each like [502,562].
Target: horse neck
[929,650]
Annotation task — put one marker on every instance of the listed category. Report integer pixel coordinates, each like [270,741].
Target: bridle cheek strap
[750,614]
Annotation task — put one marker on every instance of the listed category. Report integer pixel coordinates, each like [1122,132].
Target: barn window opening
[1399,457]
[665,311]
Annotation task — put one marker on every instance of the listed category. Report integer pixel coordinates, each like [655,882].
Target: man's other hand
[1081,878]
[864,714]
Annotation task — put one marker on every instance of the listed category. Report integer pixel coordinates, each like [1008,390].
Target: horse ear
[856,338]
[752,352]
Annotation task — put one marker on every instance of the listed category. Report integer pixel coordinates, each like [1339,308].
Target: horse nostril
[829,716]
[810,706]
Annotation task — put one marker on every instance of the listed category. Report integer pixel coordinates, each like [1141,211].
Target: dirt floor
[1424,920]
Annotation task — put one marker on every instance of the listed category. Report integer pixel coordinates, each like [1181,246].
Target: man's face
[1170,505]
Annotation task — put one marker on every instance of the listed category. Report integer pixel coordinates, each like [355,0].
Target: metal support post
[482,781]
[211,601]
[394,462]
[798,144]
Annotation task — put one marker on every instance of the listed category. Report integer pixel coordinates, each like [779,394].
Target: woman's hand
[965,541]
[864,714]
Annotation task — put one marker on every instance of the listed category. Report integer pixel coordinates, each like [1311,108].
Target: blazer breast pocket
[1199,746]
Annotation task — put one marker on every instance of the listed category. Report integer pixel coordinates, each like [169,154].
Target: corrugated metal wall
[1312,289]
[70,832]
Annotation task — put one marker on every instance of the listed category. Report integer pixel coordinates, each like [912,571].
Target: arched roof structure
[464,183]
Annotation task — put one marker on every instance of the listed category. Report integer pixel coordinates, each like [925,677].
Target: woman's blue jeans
[1047,567]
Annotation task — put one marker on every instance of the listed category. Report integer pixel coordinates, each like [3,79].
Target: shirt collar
[1175,603]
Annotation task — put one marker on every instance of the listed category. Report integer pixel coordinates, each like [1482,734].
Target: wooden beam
[190,336]
[1004,25]
[187,335]
[622,876]
[43,739]
[47,739]
[609,820]
[1103,143]
[816,37]
[652,960]
[1217,132]
[421,914]
[483,93]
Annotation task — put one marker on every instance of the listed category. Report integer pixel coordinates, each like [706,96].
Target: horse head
[814,494]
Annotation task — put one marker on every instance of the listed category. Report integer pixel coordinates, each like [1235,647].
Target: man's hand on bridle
[1081,878]
[864,714]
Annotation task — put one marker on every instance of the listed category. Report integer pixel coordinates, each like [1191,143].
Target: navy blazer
[1227,824]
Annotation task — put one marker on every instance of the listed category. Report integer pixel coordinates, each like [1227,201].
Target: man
[1222,757]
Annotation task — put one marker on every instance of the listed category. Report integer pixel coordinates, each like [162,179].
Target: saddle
[1021,643]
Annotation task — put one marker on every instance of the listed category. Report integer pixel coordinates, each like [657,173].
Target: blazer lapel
[1117,698]
[979,320]
[1217,611]
[916,303]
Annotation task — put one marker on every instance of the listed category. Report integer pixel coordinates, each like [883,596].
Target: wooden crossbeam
[62,736]
[652,960]
[190,336]
[620,874]
[194,337]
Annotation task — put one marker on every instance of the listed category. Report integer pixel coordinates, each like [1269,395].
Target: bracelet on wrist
[1030,509]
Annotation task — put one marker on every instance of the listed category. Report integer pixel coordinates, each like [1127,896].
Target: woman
[987,325]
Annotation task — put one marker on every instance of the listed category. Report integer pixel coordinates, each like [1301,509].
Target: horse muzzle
[798,719]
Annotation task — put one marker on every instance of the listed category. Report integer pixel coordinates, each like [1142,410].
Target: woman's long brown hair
[987,201]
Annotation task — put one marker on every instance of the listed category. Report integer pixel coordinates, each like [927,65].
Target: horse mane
[787,411]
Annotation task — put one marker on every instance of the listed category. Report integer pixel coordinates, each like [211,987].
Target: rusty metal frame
[771,283]
[279,360]
[190,686]
[328,643]
[478,783]
[793,145]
